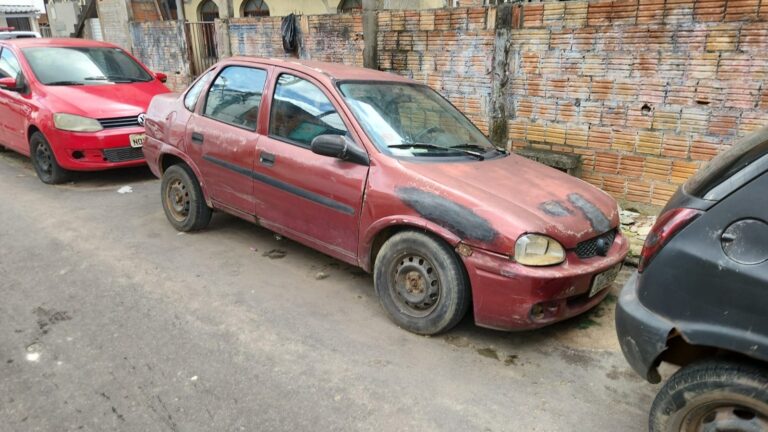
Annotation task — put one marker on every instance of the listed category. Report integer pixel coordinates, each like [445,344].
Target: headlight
[538,250]
[76,123]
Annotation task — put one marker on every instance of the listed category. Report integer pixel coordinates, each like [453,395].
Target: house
[21,15]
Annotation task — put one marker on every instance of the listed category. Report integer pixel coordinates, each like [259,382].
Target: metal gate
[201,38]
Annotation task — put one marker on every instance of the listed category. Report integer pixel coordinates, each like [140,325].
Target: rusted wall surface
[451,50]
[646,91]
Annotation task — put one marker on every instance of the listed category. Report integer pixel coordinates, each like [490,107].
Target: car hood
[511,196]
[102,101]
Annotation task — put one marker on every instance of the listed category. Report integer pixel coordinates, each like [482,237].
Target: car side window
[193,94]
[9,65]
[301,112]
[235,96]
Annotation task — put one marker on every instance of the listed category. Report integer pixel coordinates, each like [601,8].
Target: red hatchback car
[383,173]
[73,104]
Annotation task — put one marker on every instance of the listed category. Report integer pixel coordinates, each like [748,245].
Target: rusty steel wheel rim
[416,288]
[43,157]
[725,417]
[177,200]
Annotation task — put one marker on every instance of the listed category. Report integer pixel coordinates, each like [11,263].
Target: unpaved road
[111,320]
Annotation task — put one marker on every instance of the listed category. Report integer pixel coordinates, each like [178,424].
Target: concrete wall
[645,91]
[115,16]
[62,17]
[161,46]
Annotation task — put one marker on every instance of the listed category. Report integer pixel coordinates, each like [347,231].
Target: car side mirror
[340,147]
[8,84]
[161,77]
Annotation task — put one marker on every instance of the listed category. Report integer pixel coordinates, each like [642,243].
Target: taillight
[667,225]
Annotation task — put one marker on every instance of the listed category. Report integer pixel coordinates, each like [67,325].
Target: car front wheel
[421,283]
[47,168]
[713,396]
[183,200]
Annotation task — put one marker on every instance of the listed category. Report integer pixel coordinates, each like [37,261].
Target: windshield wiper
[63,83]
[479,147]
[112,78]
[476,155]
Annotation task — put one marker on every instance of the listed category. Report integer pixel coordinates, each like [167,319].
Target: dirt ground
[111,320]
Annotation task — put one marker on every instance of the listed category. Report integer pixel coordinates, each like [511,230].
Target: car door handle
[197,138]
[267,159]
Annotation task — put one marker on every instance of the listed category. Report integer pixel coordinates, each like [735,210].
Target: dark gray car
[700,298]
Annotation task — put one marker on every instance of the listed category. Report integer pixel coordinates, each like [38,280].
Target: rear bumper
[642,334]
[106,149]
[504,293]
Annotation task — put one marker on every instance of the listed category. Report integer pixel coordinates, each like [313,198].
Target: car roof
[333,71]
[57,42]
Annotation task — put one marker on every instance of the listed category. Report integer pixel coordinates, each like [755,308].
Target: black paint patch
[555,208]
[600,223]
[455,217]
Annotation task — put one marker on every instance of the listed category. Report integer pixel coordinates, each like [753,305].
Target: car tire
[713,395]
[44,160]
[183,200]
[421,283]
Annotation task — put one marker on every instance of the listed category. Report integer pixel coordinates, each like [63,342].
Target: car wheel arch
[681,351]
[381,231]
[167,159]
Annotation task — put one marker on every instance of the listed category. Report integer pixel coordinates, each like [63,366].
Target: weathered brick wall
[256,37]
[113,15]
[451,50]
[646,91]
[332,38]
[144,10]
[161,46]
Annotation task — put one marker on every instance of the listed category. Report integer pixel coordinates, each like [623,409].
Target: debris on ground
[275,254]
[321,275]
[125,190]
[635,227]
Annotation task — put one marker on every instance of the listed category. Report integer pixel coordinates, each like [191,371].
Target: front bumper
[505,293]
[642,334]
[93,151]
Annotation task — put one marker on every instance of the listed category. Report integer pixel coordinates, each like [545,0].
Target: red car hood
[514,196]
[103,101]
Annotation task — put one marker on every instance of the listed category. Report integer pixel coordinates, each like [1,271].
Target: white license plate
[137,140]
[604,280]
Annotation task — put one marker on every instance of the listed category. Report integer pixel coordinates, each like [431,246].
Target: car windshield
[413,120]
[84,66]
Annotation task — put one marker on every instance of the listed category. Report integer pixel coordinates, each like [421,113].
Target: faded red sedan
[383,173]
[73,104]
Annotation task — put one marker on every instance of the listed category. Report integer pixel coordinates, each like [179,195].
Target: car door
[316,199]
[14,104]
[223,134]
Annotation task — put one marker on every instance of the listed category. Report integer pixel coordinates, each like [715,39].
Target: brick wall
[145,10]
[451,50]
[256,37]
[331,38]
[161,46]
[113,15]
[646,91]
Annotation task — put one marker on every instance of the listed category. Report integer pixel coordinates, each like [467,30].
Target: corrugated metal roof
[17,9]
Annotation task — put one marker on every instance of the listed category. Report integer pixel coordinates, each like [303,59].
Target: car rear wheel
[713,396]
[421,283]
[48,169]
[183,200]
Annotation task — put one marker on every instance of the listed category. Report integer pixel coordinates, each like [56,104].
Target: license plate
[604,280]
[137,140]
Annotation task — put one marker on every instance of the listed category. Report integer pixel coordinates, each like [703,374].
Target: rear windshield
[83,66]
[746,151]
